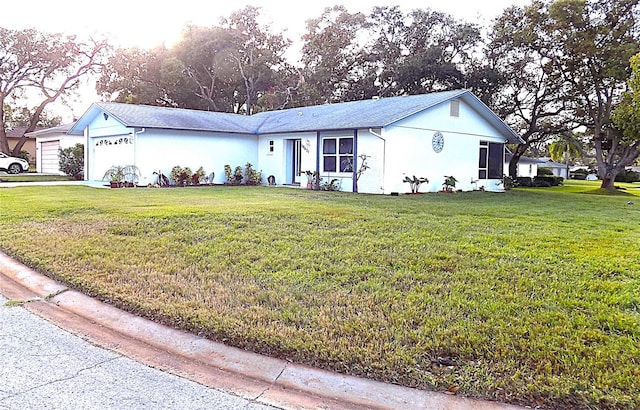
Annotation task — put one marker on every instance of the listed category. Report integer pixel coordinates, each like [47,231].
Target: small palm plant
[449,183]
[415,182]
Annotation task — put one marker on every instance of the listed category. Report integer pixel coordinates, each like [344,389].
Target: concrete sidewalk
[251,380]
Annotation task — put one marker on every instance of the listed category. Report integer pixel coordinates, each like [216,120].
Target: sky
[145,24]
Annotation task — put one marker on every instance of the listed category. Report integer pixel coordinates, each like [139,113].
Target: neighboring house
[13,137]
[527,167]
[433,135]
[557,168]
[47,142]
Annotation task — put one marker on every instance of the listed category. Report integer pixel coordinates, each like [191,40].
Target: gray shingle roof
[374,113]
[349,115]
[146,116]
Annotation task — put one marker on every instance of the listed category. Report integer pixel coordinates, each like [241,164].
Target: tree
[593,43]
[332,53]
[626,118]
[206,54]
[257,54]
[531,92]
[48,66]
[71,161]
[565,147]
[21,117]
[227,68]
[152,77]
[439,50]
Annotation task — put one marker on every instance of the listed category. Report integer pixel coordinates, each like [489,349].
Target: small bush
[547,181]
[233,177]
[251,176]
[198,176]
[628,176]
[544,171]
[524,181]
[580,173]
[71,161]
[24,154]
[181,176]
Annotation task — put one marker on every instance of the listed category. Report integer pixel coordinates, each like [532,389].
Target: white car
[13,165]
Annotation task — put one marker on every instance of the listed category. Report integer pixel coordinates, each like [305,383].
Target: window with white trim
[337,154]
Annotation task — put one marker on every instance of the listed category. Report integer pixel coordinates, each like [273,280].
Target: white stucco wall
[523,170]
[110,143]
[372,144]
[409,149]
[279,163]
[161,150]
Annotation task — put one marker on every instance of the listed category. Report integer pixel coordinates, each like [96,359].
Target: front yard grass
[530,296]
[28,177]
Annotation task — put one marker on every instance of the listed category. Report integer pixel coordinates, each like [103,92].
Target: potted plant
[313,178]
[449,183]
[119,175]
[115,175]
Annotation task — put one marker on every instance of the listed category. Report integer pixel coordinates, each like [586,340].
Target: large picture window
[337,154]
[491,160]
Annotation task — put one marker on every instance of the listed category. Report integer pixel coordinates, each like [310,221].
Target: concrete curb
[259,378]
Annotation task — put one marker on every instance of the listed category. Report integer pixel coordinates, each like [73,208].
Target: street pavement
[43,366]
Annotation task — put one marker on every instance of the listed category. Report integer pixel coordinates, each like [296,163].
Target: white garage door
[49,155]
[110,151]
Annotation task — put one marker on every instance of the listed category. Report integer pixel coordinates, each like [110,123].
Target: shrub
[524,181]
[628,176]
[24,154]
[233,177]
[251,176]
[198,176]
[547,181]
[71,161]
[580,173]
[544,171]
[181,176]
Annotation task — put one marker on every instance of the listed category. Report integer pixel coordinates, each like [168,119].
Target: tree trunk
[515,158]
[607,182]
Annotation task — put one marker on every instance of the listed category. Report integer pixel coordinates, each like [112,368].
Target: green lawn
[27,177]
[530,296]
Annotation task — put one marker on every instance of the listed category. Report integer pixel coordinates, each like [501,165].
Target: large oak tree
[41,67]
[593,43]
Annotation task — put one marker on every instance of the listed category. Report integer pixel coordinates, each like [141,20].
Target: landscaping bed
[529,296]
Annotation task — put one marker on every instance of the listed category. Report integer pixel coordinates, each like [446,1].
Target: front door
[296,158]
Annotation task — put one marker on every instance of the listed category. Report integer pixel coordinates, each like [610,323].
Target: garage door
[49,156]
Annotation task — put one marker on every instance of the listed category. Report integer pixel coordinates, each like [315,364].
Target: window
[337,154]
[271,146]
[454,108]
[491,160]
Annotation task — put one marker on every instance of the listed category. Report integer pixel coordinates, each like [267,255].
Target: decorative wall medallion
[437,142]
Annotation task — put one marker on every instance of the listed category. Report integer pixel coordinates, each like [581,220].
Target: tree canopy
[43,67]
[549,68]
